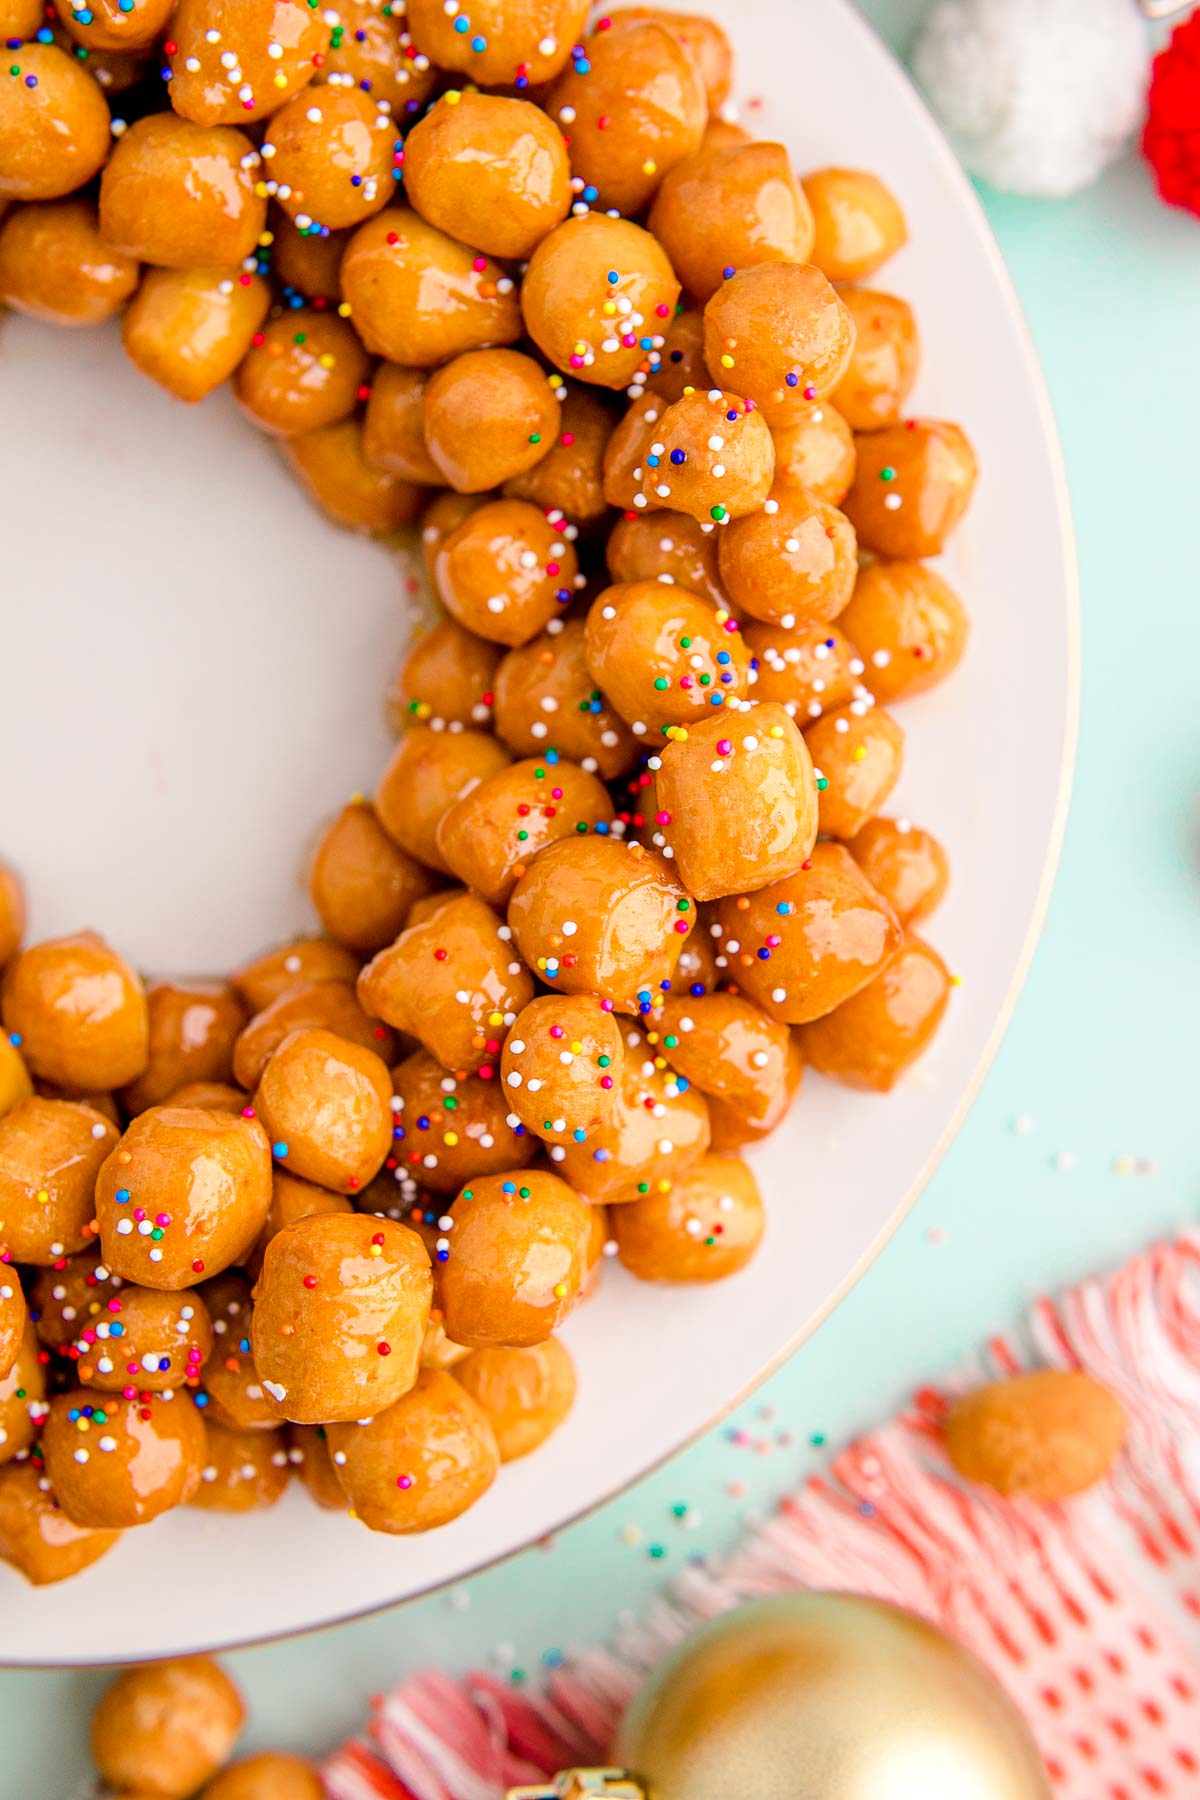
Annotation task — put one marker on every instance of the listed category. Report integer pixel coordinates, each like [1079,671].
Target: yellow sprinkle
[281,79]
[42,1195]
[266,239]
[649,166]
[327,361]
[722,616]
[560,1290]
[660,1062]
[541,963]
[453,97]
[956,981]
[423,709]
[775,731]
[689,390]
[376,1250]
[727,362]
[858,753]
[260,188]
[555,380]
[450,1139]
[577,1047]
[580,347]
[495,1018]
[664,1185]
[609,309]
[344,310]
[652,1037]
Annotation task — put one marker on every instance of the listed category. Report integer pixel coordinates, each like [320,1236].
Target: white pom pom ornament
[1037,96]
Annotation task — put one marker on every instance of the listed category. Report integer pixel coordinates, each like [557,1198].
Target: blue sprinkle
[31,81]
[678,456]
[591,193]
[665,986]
[727,272]
[44,36]
[121,1196]
[509,1187]
[553,1659]
[722,657]
[423,1122]
[399,1133]
[443,1256]
[583,66]
[164,1363]
[601,1155]
[578,1135]
[356,181]
[279,1149]
[14,1038]
[462,25]
[697,989]
[116,1329]
[244,1346]
[613,277]
[652,462]
[866,1509]
[764,955]
[792,380]
[681,1082]
[717,699]
[601,827]
[552,757]
[201,1400]
[784,907]
[478,44]
[732,416]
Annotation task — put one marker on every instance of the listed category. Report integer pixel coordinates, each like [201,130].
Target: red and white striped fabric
[1088,1612]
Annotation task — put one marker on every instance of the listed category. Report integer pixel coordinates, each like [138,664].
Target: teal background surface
[1083,1143]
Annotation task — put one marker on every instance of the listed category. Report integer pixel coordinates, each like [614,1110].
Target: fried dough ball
[430,771]
[727,209]
[682,365]
[299,964]
[906,865]
[748,1120]
[447,678]
[13,1316]
[184,1194]
[730,1049]
[860,757]
[913,484]
[545,697]
[583,321]
[12,915]
[310,1457]
[1044,1435]
[910,626]
[332,155]
[36,1536]
[394,425]
[192,1028]
[489,415]
[326,1104]
[815,450]
[780,334]
[663,656]
[116,24]
[658,1127]
[490,837]
[22,1397]
[883,368]
[188,329]
[166,1728]
[331,468]
[245,1471]
[872,1038]
[506,571]
[306,369]
[526,1393]
[668,547]
[53,265]
[642,79]
[701,37]
[597,916]
[707,1224]
[145,1339]
[308,261]
[15,1082]
[362,883]
[325,1006]
[569,479]
[561,1064]
[234,1396]
[420,297]
[238,60]
[453,982]
[438,1352]
[216,1096]
[70,1295]
[272,1775]
[373,50]
[21,18]
[340,1313]
[516,1259]
[792,561]
[79,1012]
[444,513]
[292,1199]
[503,42]
[489,171]
[181,195]
[50,1154]
[857,222]
[115,1463]
[710,456]
[825,931]
[54,125]
[809,670]
[420,1463]
[452,1129]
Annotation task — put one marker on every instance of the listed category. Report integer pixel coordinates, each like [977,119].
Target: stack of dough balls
[628,870]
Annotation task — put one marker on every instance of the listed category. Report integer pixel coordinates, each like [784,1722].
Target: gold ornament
[584,1784]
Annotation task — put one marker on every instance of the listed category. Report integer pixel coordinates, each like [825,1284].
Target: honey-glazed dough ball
[233,1396]
[913,484]
[747,1121]
[447,678]
[308,261]
[146,1340]
[453,982]
[422,1462]
[516,1259]
[115,1462]
[711,456]
[682,365]
[36,1536]
[312,1462]
[340,1313]
[183,1195]
[489,171]
[701,37]
[15,1081]
[188,329]
[245,1471]
[443,514]
[166,1728]
[54,125]
[664,657]
[50,1154]
[326,1105]
[793,561]
[238,60]
[526,1393]
[12,914]
[113,71]
[292,1199]
[22,1397]
[79,1012]
[192,1030]
[724,210]
[489,415]
[362,883]
[815,450]
[273,1775]
[116,24]
[299,964]
[780,334]
[181,195]
[731,1050]
[21,19]
[326,1006]
[506,571]
[883,368]
[70,1295]
[371,48]
[429,772]
[625,466]
[451,1129]
[394,425]
[569,479]
[857,222]
[810,670]
[216,1096]
[13,1317]
[707,1225]
[600,330]
[545,698]
[633,106]
[668,547]
[438,1352]
[803,945]
[561,1064]
[859,755]
[330,466]
[906,865]
[871,1039]
[658,1127]
[53,265]
[737,801]
[420,297]
[527,42]
[490,837]
[100,1100]
[910,626]
[597,916]
[331,156]
[306,369]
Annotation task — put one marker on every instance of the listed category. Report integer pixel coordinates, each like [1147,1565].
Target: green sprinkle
[887,474]
[660,682]
[604,1061]
[535,437]
[657,1552]
[683,906]
[643,1187]
[685,643]
[718,513]
[679,1509]
[671,1043]
[524,1193]
[450,1103]
[816,1439]
[822,783]
[521,836]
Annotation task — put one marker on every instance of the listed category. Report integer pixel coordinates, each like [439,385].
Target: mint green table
[1082,1144]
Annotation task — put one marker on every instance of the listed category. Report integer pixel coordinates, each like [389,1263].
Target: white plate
[191,668]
